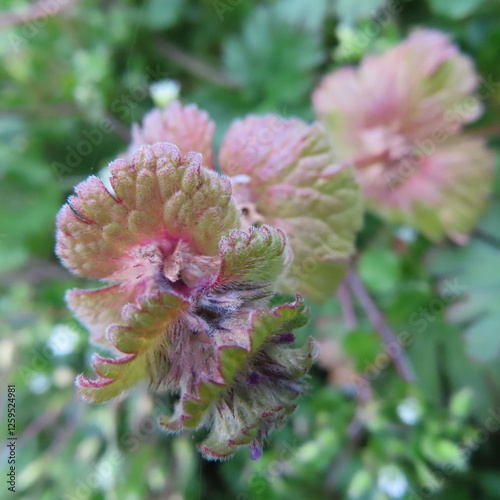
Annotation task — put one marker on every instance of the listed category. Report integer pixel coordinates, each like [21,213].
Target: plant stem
[376,318]
[348,314]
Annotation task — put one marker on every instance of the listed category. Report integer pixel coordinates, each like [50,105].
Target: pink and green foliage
[399,117]
[275,166]
[188,304]
[185,126]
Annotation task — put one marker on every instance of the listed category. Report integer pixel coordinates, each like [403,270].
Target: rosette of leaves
[399,118]
[188,304]
[276,166]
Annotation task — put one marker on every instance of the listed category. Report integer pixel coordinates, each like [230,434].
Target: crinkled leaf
[254,411]
[158,195]
[412,165]
[185,126]
[229,394]
[444,196]
[276,168]
[256,255]
[144,327]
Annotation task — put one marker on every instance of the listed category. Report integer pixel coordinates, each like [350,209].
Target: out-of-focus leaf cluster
[71,86]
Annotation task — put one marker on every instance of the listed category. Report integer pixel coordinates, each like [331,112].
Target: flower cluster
[275,167]
[187,307]
[192,258]
[398,119]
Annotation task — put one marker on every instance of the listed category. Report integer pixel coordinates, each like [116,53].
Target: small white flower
[107,471]
[409,411]
[62,340]
[392,481]
[164,92]
[407,234]
[39,383]
[63,376]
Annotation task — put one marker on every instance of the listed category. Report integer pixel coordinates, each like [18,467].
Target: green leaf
[471,268]
[161,14]
[458,9]
[273,60]
[298,13]
[461,403]
[145,326]
[380,269]
[282,162]
[360,484]
[363,347]
[349,12]
[257,255]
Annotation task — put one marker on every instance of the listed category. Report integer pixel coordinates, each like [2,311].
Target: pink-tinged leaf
[160,199]
[186,126]
[253,388]
[146,326]
[443,195]
[276,168]
[420,87]
[397,118]
[189,307]
[97,309]
[255,255]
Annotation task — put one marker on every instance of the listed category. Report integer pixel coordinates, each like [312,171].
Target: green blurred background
[84,74]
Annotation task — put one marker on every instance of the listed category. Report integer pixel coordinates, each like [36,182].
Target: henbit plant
[276,168]
[398,119]
[189,304]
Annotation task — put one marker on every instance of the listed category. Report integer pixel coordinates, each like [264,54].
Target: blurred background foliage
[83,74]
